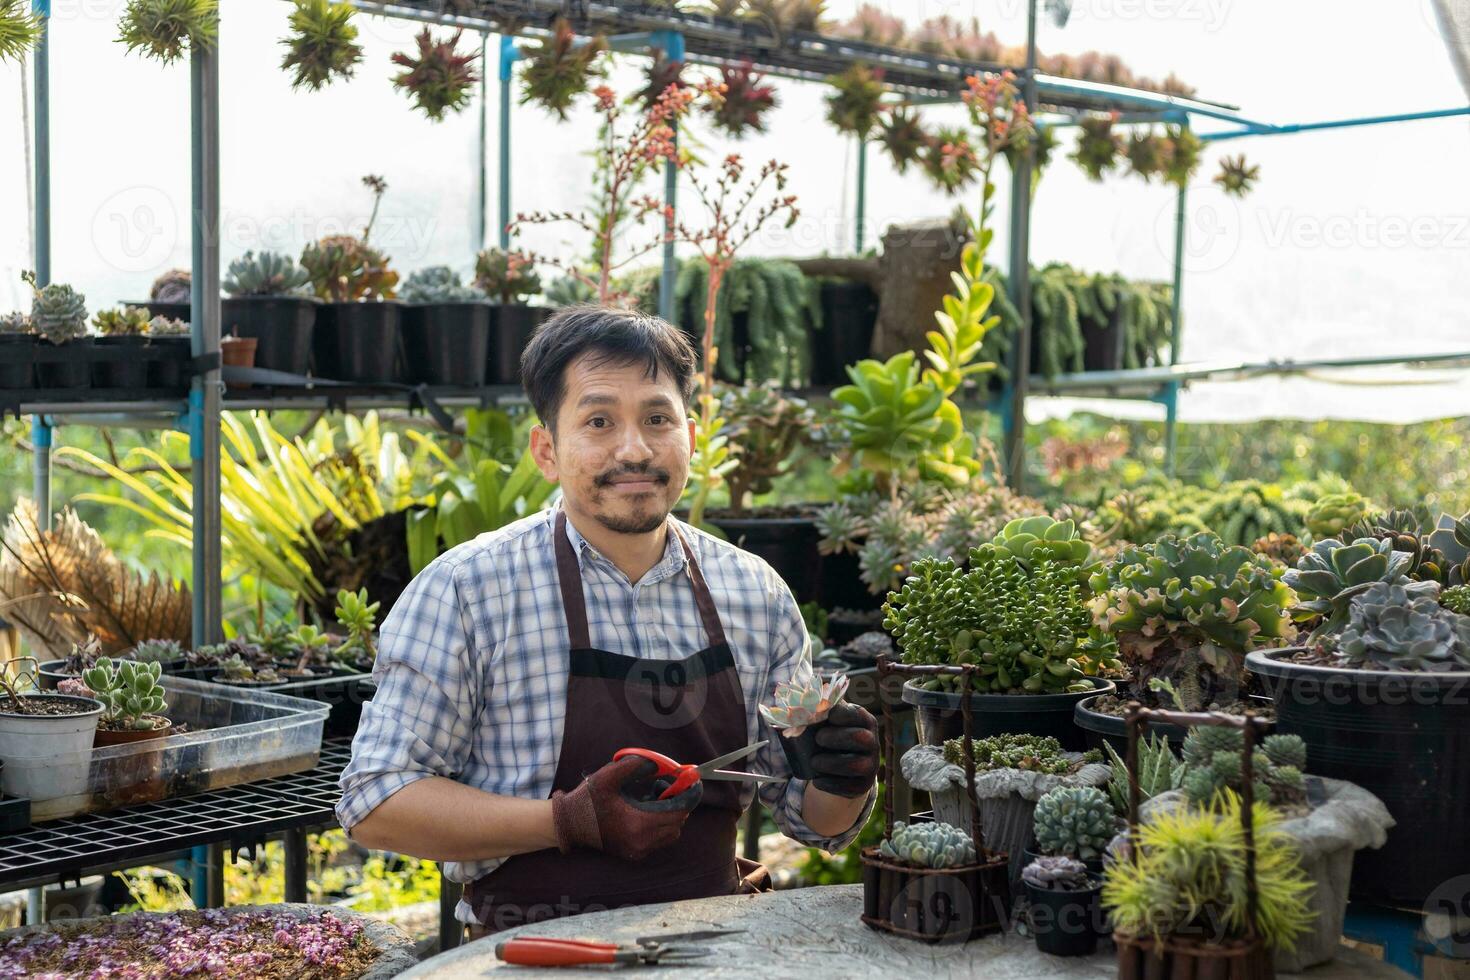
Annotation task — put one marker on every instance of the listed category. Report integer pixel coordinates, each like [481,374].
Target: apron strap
[574,603]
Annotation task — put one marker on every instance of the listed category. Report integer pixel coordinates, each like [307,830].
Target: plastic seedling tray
[236,735]
[344,693]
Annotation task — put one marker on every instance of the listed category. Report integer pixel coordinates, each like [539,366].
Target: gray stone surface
[813,934]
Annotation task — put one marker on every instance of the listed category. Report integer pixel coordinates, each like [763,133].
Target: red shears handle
[532,951]
[684,776]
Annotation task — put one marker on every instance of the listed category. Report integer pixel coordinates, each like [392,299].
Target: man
[515,666]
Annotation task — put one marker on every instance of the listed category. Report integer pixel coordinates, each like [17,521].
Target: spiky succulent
[1236,176]
[1185,152]
[1212,763]
[561,69]
[949,160]
[1284,548]
[1393,628]
[1098,147]
[58,312]
[440,79]
[928,845]
[20,29]
[157,651]
[1158,772]
[1031,539]
[174,286]
[166,30]
[1189,609]
[855,103]
[902,134]
[744,103]
[1057,873]
[794,707]
[266,274]
[1147,154]
[345,269]
[508,277]
[129,321]
[1075,821]
[128,689]
[1456,599]
[323,43]
[438,284]
[1030,753]
[167,326]
[1328,577]
[1335,512]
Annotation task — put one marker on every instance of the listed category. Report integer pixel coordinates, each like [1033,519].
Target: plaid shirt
[472,665]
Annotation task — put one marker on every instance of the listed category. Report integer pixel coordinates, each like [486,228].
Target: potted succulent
[123,333]
[172,346]
[17,351]
[133,698]
[1019,614]
[59,318]
[171,295]
[1076,822]
[926,881]
[359,618]
[1185,611]
[509,279]
[446,329]
[83,655]
[356,335]
[797,713]
[1065,905]
[308,655]
[239,672]
[267,300]
[45,738]
[1379,702]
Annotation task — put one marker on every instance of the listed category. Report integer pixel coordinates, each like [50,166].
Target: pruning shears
[650,950]
[676,777]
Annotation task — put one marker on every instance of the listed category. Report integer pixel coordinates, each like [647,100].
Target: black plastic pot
[849,314]
[1098,727]
[788,544]
[799,751]
[1067,923]
[282,327]
[121,363]
[840,583]
[939,715]
[16,360]
[1102,341]
[1405,738]
[49,673]
[446,343]
[511,326]
[166,368]
[357,341]
[65,366]
[174,311]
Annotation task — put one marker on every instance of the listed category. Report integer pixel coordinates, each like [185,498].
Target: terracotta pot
[105,737]
[237,352]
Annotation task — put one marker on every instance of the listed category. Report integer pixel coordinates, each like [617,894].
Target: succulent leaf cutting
[795,706]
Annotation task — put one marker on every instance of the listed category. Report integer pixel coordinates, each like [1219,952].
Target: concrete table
[807,933]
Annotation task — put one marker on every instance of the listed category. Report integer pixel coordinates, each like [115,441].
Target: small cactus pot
[1067,923]
[799,750]
[935,904]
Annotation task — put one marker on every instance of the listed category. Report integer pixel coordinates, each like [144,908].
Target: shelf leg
[295,841]
[41,434]
[451,930]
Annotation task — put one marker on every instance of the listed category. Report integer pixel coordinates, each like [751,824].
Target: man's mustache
[645,471]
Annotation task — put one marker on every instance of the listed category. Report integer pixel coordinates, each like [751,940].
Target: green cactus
[1030,539]
[1335,512]
[1328,577]
[438,284]
[58,312]
[1189,609]
[266,274]
[928,845]
[1456,599]
[1075,821]
[130,321]
[1393,626]
[1212,763]
[129,690]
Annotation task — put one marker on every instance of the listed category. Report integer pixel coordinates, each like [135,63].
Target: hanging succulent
[661,74]
[440,79]
[902,134]
[744,103]
[781,16]
[168,29]
[949,160]
[1185,150]
[562,69]
[874,25]
[1147,154]
[20,29]
[1236,176]
[1098,147]
[323,43]
[855,104]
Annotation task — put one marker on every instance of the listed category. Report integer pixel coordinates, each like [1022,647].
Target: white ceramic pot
[47,756]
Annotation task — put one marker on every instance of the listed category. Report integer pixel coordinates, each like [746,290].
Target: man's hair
[610,336]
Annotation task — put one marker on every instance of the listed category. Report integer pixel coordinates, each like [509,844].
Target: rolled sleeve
[419,722]
[791,663]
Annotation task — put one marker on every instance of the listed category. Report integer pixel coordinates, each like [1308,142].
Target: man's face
[621,446]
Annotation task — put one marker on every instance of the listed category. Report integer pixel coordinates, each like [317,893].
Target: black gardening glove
[846,761]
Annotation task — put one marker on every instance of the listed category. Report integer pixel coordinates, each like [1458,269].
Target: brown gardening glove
[616,810]
[846,760]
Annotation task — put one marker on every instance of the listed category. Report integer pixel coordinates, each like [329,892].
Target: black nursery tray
[15,814]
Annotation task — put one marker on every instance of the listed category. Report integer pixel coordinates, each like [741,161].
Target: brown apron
[691,710]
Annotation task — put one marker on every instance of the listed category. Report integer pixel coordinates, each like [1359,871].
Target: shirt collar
[673,560]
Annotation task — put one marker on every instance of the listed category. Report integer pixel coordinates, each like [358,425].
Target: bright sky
[1355,242]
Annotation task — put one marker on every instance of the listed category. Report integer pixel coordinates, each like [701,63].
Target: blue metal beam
[1263,129]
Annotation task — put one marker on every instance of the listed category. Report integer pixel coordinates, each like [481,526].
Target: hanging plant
[744,102]
[1185,151]
[949,160]
[440,79]
[902,134]
[781,16]
[20,29]
[855,104]
[1098,147]
[323,43]
[1236,176]
[562,69]
[661,74]
[1148,154]
[873,25]
[166,30]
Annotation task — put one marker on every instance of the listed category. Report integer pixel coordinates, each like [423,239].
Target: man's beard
[632,525]
[638,523]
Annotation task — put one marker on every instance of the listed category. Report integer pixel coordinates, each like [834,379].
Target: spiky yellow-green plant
[20,29]
[323,43]
[166,30]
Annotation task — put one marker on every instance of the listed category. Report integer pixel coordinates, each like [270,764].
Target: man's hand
[605,812]
[846,761]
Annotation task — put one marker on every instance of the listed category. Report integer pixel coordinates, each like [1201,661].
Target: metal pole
[481,153]
[295,865]
[43,144]
[1020,268]
[673,45]
[451,932]
[860,212]
[507,63]
[41,433]
[1171,392]
[204,395]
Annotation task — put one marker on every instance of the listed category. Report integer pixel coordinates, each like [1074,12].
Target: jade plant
[1188,610]
[440,78]
[323,43]
[1029,753]
[508,277]
[129,691]
[1057,873]
[1212,765]
[58,312]
[1075,822]
[928,845]
[1400,625]
[266,274]
[1328,577]
[345,268]
[438,284]
[129,321]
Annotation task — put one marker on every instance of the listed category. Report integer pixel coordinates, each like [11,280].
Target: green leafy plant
[1098,147]
[323,43]
[1328,577]
[310,647]
[344,268]
[360,619]
[1056,873]
[1029,753]
[266,274]
[438,284]
[766,429]
[129,321]
[1394,626]
[1190,877]
[561,69]
[1159,770]
[1147,154]
[1237,177]
[1075,822]
[20,29]
[1185,152]
[166,30]
[743,101]
[509,277]
[440,79]
[129,690]
[1212,765]
[1456,599]
[855,104]
[1038,538]
[1334,513]
[779,306]
[1189,609]
[58,312]
[928,845]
